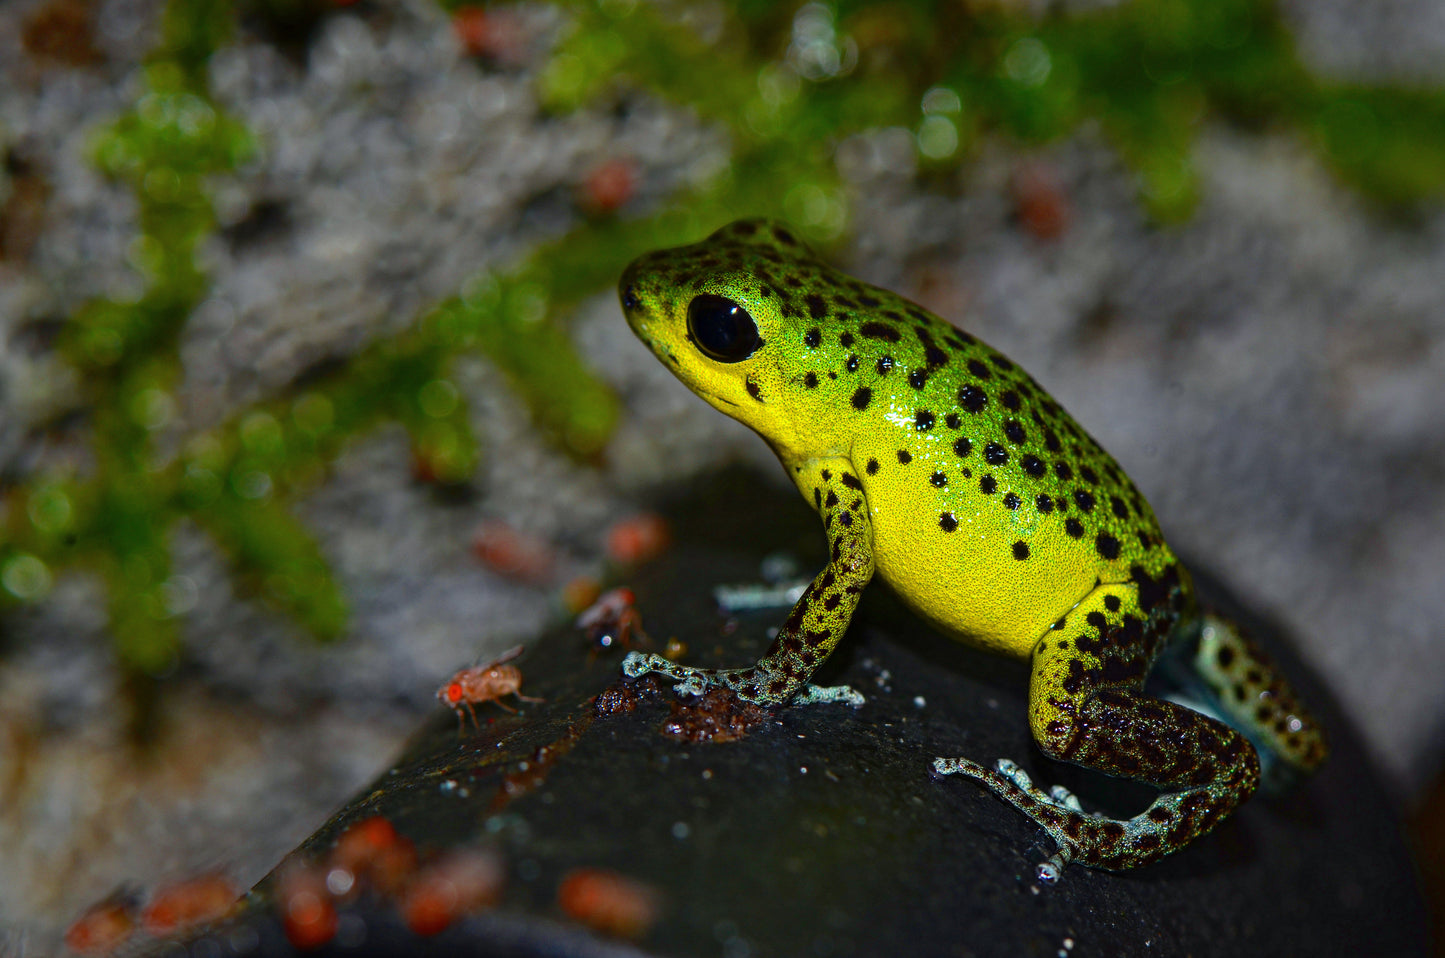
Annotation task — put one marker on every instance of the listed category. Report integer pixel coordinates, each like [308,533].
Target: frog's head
[730,317]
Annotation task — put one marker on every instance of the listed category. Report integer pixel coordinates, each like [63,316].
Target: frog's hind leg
[1087,707]
[1255,697]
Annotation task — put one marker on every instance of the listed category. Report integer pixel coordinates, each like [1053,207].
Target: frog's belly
[968,581]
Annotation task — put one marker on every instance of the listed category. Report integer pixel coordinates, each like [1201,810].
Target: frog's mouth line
[669,359]
[712,397]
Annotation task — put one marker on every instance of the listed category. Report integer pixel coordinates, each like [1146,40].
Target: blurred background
[314,387]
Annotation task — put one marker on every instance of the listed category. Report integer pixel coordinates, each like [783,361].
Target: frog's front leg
[819,618]
[1086,706]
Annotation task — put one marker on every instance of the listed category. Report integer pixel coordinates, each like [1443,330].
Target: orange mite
[451,887]
[308,914]
[186,904]
[637,539]
[512,553]
[580,593]
[495,34]
[373,851]
[484,683]
[608,902]
[1040,202]
[609,186]
[103,926]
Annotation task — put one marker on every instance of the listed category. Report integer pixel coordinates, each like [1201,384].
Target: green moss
[1148,73]
[787,84]
[118,521]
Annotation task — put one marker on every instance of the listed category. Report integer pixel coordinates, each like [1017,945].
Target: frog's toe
[641,663]
[1058,797]
[694,684]
[636,663]
[1055,810]
[959,766]
[1052,870]
[1011,772]
[813,694]
[1005,773]
[1065,799]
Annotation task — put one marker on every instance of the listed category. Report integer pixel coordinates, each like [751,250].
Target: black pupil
[722,329]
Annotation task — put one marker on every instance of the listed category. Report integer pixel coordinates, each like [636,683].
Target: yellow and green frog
[939,465]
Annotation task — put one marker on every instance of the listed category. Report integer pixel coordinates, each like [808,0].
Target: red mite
[308,913]
[447,889]
[608,902]
[373,851]
[197,901]
[484,683]
[103,926]
[637,539]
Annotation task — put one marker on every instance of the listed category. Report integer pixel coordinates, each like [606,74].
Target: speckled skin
[940,465]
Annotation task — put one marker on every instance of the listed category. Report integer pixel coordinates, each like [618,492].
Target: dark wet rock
[818,831]
[717,716]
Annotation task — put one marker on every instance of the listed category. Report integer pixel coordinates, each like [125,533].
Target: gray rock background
[1269,372]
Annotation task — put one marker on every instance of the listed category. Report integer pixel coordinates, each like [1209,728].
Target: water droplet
[1028,62]
[25,577]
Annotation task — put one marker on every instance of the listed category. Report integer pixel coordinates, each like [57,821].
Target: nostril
[629,298]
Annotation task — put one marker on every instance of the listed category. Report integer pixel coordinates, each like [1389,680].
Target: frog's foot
[1093,839]
[814,694]
[1058,810]
[754,684]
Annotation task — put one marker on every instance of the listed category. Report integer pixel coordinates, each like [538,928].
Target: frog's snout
[627,288]
[632,291]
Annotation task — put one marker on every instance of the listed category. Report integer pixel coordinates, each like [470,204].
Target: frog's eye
[722,329]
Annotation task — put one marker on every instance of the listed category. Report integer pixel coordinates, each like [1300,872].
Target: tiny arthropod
[513,553]
[608,902]
[104,925]
[371,850]
[444,890]
[308,913]
[637,539]
[609,186]
[612,619]
[484,683]
[196,901]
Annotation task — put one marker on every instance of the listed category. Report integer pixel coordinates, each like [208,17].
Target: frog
[940,466]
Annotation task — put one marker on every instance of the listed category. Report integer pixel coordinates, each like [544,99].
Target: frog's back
[993,511]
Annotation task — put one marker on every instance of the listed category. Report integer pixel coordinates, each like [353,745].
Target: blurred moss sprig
[797,80]
[786,82]
[118,521]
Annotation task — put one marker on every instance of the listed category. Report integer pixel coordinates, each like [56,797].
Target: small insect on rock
[612,620]
[484,683]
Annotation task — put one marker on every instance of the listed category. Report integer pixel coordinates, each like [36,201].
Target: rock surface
[818,830]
